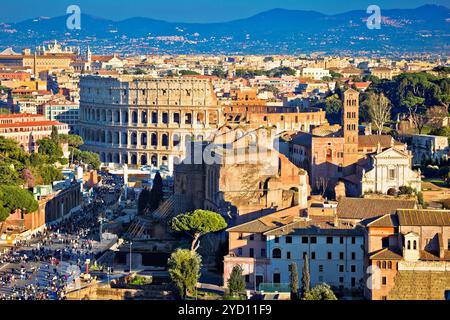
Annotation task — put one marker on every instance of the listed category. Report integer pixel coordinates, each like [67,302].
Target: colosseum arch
[154,160]
[133,138]
[200,118]
[176,140]
[124,138]
[134,117]
[165,140]
[144,118]
[154,139]
[154,117]
[117,116]
[109,137]
[176,117]
[133,159]
[165,117]
[188,118]
[143,159]
[124,117]
[144,139]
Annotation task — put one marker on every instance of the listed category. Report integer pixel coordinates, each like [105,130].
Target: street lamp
[130,255]
[109,270]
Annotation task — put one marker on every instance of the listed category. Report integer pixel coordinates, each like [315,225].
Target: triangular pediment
[391,153]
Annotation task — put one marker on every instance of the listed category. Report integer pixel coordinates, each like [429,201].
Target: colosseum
[137,121]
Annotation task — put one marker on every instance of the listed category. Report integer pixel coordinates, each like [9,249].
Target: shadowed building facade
[363,163]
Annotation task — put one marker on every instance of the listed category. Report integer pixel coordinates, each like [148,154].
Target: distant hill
[426,28]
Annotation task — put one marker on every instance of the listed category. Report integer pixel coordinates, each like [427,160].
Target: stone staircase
[170,208]
[420,285]
[173,206]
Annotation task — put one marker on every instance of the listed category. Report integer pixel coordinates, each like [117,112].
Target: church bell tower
[350,119]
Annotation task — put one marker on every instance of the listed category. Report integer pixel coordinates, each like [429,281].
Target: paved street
[48,264]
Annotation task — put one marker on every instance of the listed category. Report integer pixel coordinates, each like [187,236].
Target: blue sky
[189,10]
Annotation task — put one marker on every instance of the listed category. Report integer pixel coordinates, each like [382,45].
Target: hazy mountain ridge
[428,25]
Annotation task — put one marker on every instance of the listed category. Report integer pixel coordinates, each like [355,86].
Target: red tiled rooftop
[20,115]
[31,124]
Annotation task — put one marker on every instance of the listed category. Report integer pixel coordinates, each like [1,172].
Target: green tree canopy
[144,201]
[188,73]
[335,75]
[86,157]
[13,198]
[9,175]
[220,73]
[157,194]
[306,279]
[10,149]
[19,168]
[320,292]
[197,224]
[184,270]
[293,280]
[420,89]
[333,107]
[51,149]
[54,135]
[236,282]
[72,140]
[49,174]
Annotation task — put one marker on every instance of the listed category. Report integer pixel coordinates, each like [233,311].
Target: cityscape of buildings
[287,176]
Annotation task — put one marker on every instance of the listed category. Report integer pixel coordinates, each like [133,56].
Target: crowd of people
[36,269]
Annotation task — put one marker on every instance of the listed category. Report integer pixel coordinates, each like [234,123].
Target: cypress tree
[306,280]
[144,201]
[156,195]
[236,282]
[293,281]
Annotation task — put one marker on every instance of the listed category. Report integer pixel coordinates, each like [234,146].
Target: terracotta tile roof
[372,140]
[31,124]
[423,217]
[303,227]
[20,115]
[432,256]
[385,254]
[263,224]
[101,58]
[389,220]
[364,208]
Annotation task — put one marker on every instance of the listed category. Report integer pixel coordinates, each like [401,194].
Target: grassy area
[140,281]
[437,182]
[204,295]
[95,268]
[238,297]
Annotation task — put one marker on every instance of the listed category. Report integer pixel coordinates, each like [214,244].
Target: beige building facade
[140,121]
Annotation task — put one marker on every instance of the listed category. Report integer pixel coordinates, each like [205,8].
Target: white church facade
[390,169]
